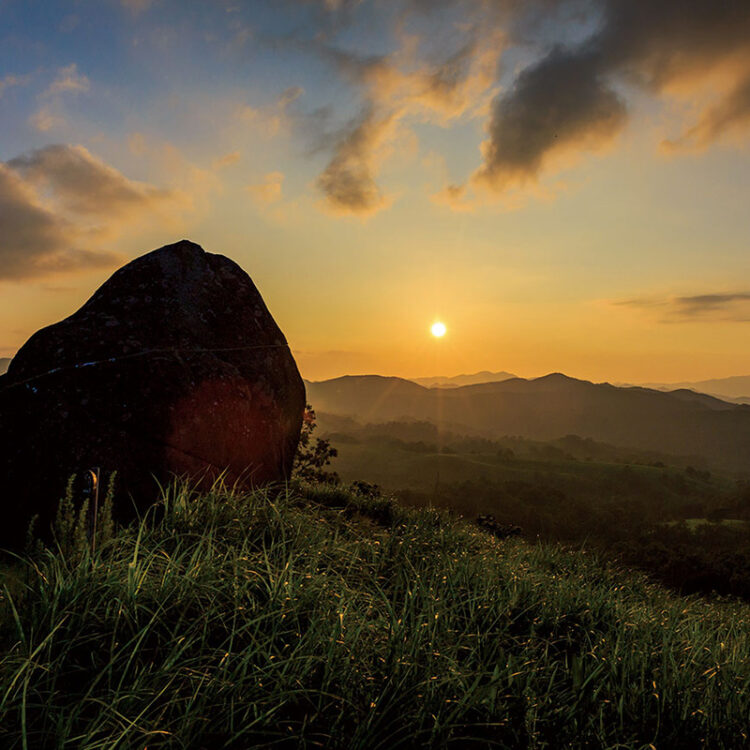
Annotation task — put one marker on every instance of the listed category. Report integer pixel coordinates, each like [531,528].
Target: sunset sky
[565,184]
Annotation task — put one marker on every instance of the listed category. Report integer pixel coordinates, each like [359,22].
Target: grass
[395,467]
[696,523]
[319,618]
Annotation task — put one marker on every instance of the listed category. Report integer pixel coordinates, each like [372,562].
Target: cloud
[272,119]
[399,89]
[665,44]
[68,80]
[36,240]
[137,144]
[567,101]
[348,182]
[12,80]
[725,306]
[83,184]
[269,190]
[731,114]
[440,90]
[558,104]
[701,304]
[45,119]
[455,198]
[228,160]
[58,204]
[591,60]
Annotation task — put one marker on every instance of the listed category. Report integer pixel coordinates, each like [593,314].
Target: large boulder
[173,367]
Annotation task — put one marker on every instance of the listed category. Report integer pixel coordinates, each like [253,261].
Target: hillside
[545,487]
[679,422]
[686,527]
[325,618]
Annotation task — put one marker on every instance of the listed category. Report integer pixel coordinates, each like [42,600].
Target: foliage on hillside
[321,617]
[313,454]
[629,505]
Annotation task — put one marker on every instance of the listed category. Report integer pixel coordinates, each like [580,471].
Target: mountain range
[680,422]
[4,362]
[442,381]
[736,388]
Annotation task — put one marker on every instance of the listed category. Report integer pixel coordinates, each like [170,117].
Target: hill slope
[680,422]
[329,619]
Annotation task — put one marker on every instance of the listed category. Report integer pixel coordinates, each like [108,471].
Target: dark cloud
[348,181]
[733,306]
[36,241]
[590,54]
[83,184]
[396,88]
[709,304]
[567,99]
[57,203]
[560,102]
[661,42]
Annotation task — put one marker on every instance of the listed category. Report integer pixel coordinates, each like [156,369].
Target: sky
[565,184]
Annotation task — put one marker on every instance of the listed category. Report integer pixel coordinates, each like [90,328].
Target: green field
[490,481]
[321,618]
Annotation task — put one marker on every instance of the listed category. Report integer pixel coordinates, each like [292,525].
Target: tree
[313,454]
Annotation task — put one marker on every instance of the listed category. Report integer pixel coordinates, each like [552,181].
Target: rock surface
[173,367]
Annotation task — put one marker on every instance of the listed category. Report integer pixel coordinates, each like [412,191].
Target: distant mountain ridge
[680,422]
[735,387]
[442,381]
[4,362]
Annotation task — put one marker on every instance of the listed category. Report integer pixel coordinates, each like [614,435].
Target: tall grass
[317,618]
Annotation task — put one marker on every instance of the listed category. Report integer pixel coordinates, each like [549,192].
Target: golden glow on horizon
[438,329]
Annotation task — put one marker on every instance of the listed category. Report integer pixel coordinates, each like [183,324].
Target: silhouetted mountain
[442,381]
[4,362]
[680,422]
[736,387]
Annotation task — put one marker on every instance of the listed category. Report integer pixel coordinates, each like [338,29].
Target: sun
[438,329]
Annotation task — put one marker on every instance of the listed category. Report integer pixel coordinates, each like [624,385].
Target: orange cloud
[38,241]
[83,184]
[45,119]
[348,181]
[731,115]
[455,198]
[67,81]
[60,202]
[269,191]
[228,160]
[566,103]
[399,88]
[273,119]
